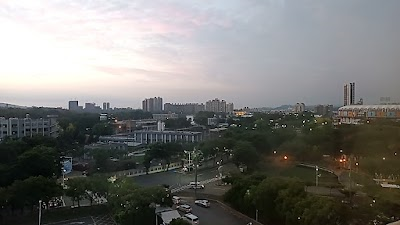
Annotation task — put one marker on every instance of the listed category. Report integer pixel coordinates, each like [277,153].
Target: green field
[305,174]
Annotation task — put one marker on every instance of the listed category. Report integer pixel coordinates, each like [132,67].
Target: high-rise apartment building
[217,105]
[229,108]
[152,104]
[106,106]
[349,94]
[73,105]
[299,108]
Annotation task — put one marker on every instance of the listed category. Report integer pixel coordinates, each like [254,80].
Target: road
[216,214]
[91,220]
[175,178]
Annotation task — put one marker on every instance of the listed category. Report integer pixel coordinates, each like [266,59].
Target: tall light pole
[195,158]
[40,212]
[316,176]
[63,177]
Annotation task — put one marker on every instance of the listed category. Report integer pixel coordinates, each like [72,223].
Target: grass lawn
[374,190]
[289,169]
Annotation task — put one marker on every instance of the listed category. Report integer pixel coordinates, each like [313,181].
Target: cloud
[244,50]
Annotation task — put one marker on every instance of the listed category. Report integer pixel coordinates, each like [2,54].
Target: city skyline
[254,53]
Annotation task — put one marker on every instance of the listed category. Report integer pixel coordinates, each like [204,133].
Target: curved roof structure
[370,107]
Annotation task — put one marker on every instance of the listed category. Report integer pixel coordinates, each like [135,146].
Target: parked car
[191,218]
[184,208]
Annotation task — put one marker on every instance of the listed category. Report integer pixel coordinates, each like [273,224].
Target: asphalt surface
[216,214]
[80,221]
[92,220]
[176,178]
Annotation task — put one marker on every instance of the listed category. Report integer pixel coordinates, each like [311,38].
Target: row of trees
[283,201]
[165,152]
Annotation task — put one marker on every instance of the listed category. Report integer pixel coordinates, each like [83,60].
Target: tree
[135,205]
[102,129]
[76,189]
[41,161]
[177,123]
[101,157]
[30,191]
[245,153]
[99,185]
[179,221]
[202,117]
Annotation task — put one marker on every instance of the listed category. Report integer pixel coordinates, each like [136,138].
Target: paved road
[216,214]
[80,221]
[175,178]
[91,220]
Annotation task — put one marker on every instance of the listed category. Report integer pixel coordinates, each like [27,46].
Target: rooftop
[364,107]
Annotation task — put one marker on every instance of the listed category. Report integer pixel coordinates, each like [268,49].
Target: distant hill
[6,105]
[283,107]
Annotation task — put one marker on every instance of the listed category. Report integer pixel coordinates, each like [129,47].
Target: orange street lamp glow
[340,160]
[285,157]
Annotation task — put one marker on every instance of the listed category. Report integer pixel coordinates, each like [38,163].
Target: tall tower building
[349,94]
[345,95]
[352,93]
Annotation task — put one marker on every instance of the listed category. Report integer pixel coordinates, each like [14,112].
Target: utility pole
[40,212]
[195,172]
[257,215]
[351,183]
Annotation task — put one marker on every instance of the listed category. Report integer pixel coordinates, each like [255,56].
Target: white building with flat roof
[27,127]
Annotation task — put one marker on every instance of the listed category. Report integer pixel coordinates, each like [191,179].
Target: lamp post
[256,216]
[195,157]
[63,177]
[316,176]
[40,212]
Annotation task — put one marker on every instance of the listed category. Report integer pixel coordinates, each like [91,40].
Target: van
[191,218]
[176,200]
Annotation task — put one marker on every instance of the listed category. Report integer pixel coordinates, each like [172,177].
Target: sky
[250,52]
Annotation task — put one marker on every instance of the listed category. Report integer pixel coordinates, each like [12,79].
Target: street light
[40,212]
[316,176]
[63,177]
[248,194]
[195,153]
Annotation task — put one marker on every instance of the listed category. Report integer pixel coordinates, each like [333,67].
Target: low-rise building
[358,114]
[148,137]
[165,116]
[152,136]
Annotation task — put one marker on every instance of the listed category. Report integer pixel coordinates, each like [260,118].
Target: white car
[184,208]
[202,202]
[193,185]
[191,218]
